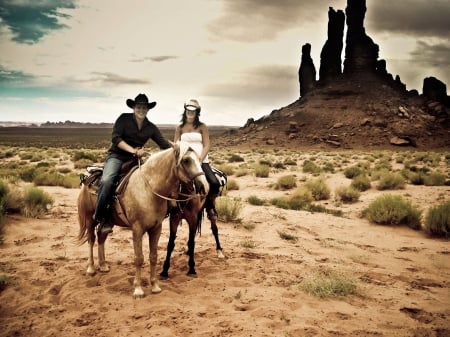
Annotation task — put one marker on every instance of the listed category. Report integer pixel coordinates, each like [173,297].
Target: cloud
[107,78]
[30,20]
[160,58]
[410,17]
[256,20]
[266,83]
[10,77]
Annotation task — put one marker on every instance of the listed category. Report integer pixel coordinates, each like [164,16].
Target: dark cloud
[410,17]
[114,79]
[258,20]
[30,20]
[265,83]
[14,77]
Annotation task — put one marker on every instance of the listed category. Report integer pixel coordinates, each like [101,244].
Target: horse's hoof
[90,271]
[192,274]
[220,254]
[138,292]
[156,289]
[104,269]
[163,276]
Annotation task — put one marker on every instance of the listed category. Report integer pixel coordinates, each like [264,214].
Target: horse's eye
[186,161]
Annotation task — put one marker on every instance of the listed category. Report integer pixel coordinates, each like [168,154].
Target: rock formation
[361,53]
[330,57]
[434,89]
[307,71]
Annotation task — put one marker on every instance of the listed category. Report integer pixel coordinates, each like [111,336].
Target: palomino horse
[192,211]
[144,206]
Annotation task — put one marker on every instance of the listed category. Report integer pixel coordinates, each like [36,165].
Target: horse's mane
[180,146]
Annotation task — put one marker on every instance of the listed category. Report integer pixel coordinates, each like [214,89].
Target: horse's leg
[101,238]
[138,261]
[174,220]
[191,245]
[212,216]
[153,238]
[91,241]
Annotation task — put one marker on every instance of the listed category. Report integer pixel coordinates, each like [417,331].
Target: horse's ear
[172,144]
[176,149]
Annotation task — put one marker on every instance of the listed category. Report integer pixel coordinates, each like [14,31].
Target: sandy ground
[403,276]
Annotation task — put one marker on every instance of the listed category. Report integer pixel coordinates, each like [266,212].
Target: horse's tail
[82,216]
[199,221]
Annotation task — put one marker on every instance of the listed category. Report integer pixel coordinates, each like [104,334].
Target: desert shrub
[28,173]
[227,169]
[232,185]
[261,170]
[328,167]
[416,178]
[36,202]
[311,167]
[4,282]
[235,158]
[391,181]
[361,183]
[347,194]
[302,194]
[64,170]
[241,172]
[3,195]
[256,201]
[434,179]
[319,189]
[48,179]
[287,236]
[353,171]
[279,166]
[328,283]
[78,155]
[228,208]
[83,163]
[391,209]
[286,182]
[437,220]
[290,162]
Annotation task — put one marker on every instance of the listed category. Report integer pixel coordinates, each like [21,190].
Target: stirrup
[105,228]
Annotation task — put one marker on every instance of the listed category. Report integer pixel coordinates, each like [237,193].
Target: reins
[191,196]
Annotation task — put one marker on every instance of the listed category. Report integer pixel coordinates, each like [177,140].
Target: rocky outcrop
[330,57]
[307,71]
[361,53]
[435,90]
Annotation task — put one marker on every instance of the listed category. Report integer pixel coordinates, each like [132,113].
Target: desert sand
[403,276]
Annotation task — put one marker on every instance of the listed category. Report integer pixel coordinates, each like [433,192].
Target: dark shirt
[126,128]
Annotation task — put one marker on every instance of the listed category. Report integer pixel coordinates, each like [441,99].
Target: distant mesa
[355,102]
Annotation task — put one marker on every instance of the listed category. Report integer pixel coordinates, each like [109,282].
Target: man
[130,133]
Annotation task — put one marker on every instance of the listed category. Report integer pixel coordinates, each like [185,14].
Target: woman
[196,134]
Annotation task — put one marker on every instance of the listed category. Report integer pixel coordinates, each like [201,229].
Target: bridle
[191,179]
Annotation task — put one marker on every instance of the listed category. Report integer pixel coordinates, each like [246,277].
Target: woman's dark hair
[196,122]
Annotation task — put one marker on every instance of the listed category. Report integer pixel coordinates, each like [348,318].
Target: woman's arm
[177,135]
[206,142]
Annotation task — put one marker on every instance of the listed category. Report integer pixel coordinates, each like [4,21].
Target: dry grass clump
[228,208]
[391,209]
[347,194]
[319,189]
[361,183]
[261,170]
[391,181]
[327,283]
[437,221]
[256,201]
[286,182]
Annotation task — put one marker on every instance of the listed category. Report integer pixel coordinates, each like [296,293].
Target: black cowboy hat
[140,99]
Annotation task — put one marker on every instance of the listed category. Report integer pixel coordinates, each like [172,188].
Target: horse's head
[188,166]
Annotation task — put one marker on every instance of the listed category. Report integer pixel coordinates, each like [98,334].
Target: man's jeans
[110,176]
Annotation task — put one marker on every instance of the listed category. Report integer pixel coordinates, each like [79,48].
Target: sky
[79,60]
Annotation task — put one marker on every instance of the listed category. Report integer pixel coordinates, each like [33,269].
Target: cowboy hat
[140,99]
[192,105]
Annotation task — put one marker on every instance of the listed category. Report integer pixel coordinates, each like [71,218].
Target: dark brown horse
[142,207]
[191,210]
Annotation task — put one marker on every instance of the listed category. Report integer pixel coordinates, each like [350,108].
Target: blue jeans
[108,182]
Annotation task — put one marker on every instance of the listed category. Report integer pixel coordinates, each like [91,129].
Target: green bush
[391,209]
[417,178]
[353,171]
[311,167]
[78,155]
[361,183]
[391,181]
[262,170]
[256,201]
[327,283]
[437,220]
[234,158]
[434,179]
[286,182]
[347,194]
[319,189]
[37,202]
[228,208]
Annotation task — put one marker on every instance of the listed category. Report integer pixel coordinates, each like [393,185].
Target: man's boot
[106,227]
